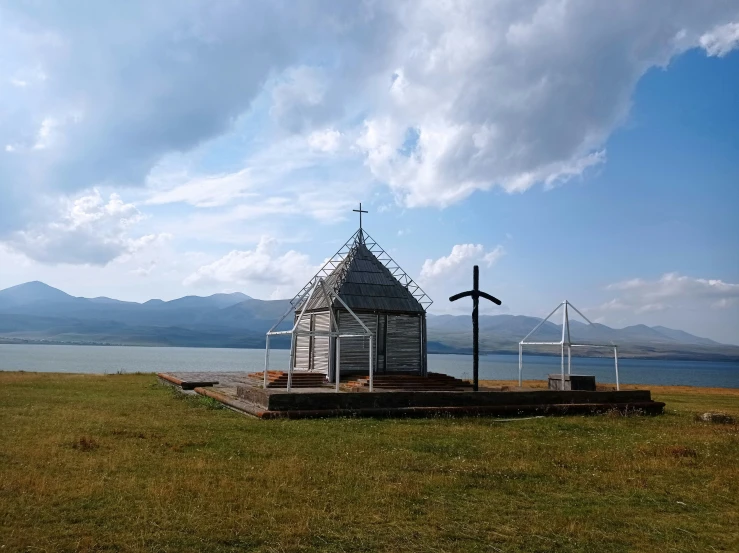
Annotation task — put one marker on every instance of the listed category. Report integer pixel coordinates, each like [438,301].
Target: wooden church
[361,278]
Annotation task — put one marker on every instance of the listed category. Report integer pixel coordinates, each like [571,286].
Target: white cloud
[721,40]
[673,286]
[436,100]
[299,101]
[461,255]
[440,98]
[327,140]
[45,133]
[612,305]
[723,303]
[152,81]
[276,186]
[259,266]
[512,94]
[206,191]
[89,230]
[670,291]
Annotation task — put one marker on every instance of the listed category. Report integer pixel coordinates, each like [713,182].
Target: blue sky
[573,150]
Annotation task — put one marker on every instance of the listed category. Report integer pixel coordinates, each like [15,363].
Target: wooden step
[278,379]
[406,382]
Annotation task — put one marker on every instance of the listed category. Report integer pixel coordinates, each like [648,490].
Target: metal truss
[335,333]
[361,237]
[565,342]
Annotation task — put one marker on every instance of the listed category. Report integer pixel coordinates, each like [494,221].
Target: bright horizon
[581,152]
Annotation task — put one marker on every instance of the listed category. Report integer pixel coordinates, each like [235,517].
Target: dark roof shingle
[364,283]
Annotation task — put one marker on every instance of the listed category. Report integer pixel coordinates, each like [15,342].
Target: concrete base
[572,382]
[240,393]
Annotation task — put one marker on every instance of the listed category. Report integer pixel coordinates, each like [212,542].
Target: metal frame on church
[297,331]
[566,341]
[359,299]
[361,236]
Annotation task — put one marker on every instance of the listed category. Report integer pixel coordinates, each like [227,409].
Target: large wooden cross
[476,294]
[360,211]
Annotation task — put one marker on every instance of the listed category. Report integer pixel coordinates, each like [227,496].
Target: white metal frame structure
[317,285]
[382,256]
[564,342]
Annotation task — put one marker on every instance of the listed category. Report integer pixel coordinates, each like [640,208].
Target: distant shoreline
[623,353]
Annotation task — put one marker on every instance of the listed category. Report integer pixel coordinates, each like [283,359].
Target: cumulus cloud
[671,290]
[123,88]
[259,266]
[327,140]
[461,255]
[505,93]
[514,94]
[300,100]
[673,286]
[89,230]
[439,99]
[721,40]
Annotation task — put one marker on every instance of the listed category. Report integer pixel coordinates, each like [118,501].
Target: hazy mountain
[683,336]
[31,292]
[103,299]
[501,334]
[190,302]
[36,311]
[252,314]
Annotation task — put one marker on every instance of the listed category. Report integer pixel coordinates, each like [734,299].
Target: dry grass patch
[85,443]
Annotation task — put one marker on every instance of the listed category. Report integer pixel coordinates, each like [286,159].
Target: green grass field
[121,463]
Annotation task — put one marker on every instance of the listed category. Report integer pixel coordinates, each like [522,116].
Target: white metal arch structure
[318,286]
[564,342]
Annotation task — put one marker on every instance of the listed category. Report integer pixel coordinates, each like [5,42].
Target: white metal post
[615,359]
[266,363]
[371,368]
[520,363]
[338,362]
[569,338]
[562,352]
[569,359]
[566,340]
[562,366]
[293,354]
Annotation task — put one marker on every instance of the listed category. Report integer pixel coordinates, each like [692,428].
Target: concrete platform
[239,392]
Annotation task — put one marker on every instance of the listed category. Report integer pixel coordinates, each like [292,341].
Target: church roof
[365,283]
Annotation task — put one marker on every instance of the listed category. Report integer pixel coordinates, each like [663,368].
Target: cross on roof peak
[360,211]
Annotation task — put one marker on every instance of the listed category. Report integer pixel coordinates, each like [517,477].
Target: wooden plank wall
[355,351]
[320,347]
[404,343]
[302,344]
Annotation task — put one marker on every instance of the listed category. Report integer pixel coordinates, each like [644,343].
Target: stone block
[572,382]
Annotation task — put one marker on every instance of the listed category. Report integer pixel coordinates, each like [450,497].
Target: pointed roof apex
[365,277]
[360,236]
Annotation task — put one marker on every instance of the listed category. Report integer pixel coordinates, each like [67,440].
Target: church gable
[365,283]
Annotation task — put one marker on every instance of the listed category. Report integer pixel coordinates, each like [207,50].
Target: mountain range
[38,313]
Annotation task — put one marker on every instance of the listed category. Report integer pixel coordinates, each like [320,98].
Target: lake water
[113,359]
